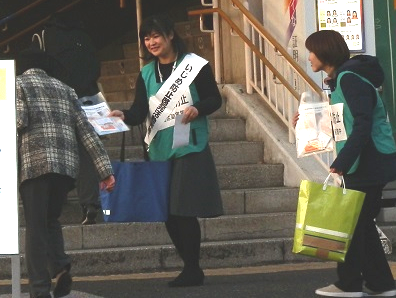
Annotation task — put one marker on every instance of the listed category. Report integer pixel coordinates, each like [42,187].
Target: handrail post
[248,54]
[216,42]
[139,22]
[216,39]
[16,276]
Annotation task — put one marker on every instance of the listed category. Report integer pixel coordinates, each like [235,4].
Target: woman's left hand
[333,170]
[189,114]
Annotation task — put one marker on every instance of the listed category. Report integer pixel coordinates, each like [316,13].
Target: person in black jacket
[51,126]
[64,38]
[366,158]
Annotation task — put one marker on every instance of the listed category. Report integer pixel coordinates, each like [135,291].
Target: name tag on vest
[337,112]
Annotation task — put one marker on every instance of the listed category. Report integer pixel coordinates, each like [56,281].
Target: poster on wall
[344,16]
[8,160]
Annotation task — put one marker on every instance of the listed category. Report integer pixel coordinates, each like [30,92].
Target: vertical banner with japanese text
[8,160]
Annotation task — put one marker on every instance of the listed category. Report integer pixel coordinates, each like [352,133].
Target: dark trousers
[87,183]
[185,233]
[365,261]
[42,199]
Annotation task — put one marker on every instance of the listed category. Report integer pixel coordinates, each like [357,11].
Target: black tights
[185,233]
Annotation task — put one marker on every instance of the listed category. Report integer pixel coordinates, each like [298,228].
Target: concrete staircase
[259,219]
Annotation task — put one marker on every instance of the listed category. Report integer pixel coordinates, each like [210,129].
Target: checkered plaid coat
[50,123]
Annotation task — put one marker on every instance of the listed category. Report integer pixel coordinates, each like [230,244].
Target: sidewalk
[274,281]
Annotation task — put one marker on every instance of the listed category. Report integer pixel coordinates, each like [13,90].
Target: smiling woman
[178,85]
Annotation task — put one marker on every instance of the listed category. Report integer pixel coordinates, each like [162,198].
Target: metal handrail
[279,48]
[250,44]
[259,27]
[20,12]
[37,24]
[259,78]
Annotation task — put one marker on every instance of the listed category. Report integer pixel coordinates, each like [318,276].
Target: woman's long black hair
[164,26]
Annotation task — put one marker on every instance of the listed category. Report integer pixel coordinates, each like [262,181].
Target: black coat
[72,47]
[374,168]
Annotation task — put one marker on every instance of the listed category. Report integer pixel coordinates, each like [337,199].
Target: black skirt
[194,186]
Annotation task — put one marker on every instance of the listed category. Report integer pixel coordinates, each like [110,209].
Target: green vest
[381,132]
[161,146]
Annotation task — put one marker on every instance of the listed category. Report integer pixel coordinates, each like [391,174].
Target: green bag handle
[326,182]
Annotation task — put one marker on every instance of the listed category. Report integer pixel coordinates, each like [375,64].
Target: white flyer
[103,125]
[181,133]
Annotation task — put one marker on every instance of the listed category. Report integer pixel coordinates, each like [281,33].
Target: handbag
[141,192]
[326,219]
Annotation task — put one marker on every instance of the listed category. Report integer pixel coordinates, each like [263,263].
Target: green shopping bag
[326,219]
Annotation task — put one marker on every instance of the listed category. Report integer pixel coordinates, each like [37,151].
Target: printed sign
[344,16]
[8,160]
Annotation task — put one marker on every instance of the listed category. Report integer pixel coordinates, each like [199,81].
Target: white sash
[173,96]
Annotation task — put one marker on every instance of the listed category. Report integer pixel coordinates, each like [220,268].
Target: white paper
[9,225]
[337,112]
[313,129]
[181,133]
[103,125]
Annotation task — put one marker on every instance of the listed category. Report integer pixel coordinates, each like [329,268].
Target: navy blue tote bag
[141,192]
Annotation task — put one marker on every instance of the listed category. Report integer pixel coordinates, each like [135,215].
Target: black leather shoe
[63,284]
[89,216]
[188,279]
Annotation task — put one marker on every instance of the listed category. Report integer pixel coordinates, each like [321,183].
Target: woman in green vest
[194,186]
[366,158]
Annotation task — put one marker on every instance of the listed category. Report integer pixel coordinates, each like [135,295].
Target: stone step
[237,153]
[201,45]
[125,105]
[120,67]
[250,176]
[154,258]
[188,28]
[126,96]
[260,200]
[235,202]
[223,228]
[118,83]
[219,254]
[131,50]
[220,130]
[120,105]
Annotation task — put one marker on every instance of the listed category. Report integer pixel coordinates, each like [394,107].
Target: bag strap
[40,39]
[327,182]
[122,150]
[144,146]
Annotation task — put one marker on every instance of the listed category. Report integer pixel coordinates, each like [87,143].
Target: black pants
[365,261]
[87,183]
[43,198]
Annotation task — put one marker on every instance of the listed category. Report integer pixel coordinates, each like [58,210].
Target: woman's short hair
[164,26]
[329,47]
